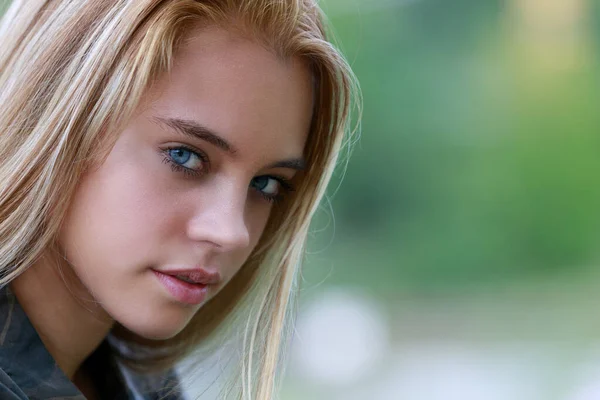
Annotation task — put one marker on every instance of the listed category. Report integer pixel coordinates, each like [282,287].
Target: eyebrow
[195,130]
[295,163]
[198,131]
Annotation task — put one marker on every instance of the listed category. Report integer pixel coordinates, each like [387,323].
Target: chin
[158,326]
[158,333]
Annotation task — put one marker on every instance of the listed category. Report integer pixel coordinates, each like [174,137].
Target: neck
[64,314]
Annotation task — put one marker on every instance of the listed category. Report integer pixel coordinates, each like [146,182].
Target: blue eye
[180,156]
[270,187]
[266,185]
[185,160]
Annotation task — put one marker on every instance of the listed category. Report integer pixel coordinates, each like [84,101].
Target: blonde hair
[72,72]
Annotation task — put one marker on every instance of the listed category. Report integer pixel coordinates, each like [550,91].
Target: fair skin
[154,205]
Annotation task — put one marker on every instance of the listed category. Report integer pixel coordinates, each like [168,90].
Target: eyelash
[175,167]
[285,184]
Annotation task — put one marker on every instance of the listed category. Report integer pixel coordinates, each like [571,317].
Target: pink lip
[185,292]
[198,275]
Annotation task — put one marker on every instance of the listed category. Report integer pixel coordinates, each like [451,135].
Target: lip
[186,292]
[197,275]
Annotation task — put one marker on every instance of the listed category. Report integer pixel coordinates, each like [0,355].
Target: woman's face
[186,191]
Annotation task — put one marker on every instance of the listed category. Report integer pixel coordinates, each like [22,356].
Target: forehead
[240,89]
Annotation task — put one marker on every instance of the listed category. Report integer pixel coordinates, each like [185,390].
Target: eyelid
[206,166]
[285,183]
[285,188]
[200,153]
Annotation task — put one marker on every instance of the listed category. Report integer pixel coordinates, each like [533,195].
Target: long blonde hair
[72,72]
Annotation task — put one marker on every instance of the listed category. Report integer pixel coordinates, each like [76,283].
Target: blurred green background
[479,152]
[459,257]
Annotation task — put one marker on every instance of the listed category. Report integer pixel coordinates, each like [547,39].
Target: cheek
[117,215]
[256,218]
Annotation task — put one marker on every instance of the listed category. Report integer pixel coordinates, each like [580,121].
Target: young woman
[161,161]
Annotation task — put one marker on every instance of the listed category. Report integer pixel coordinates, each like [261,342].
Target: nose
[221,222]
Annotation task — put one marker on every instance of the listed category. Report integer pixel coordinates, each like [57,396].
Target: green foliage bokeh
[478,158]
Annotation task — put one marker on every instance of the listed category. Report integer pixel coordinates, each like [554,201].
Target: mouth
[185,279]
[187,286]
[196,275]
